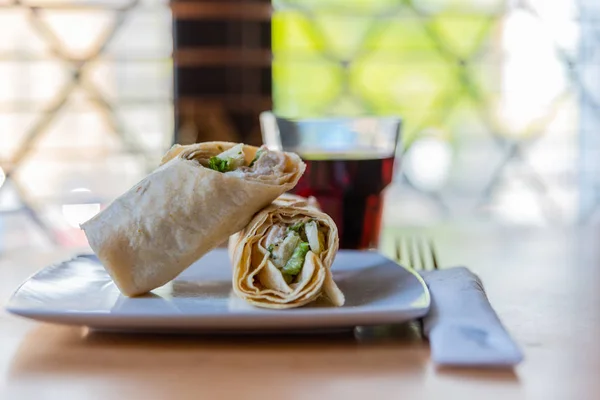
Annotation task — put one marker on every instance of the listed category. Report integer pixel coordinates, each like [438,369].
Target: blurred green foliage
[427,61]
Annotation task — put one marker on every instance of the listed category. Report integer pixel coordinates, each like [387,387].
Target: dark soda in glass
[349,187]
[350,161]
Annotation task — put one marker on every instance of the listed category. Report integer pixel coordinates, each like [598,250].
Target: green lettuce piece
[295,263]
[218,164]
[297,227]
[228,160]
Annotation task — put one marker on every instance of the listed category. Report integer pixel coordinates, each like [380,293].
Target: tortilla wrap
[184,209]
[256,277]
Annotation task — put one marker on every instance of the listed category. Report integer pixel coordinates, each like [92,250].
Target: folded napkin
[462,327]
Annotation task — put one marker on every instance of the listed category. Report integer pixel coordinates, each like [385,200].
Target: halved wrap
[283,257]
[199,196]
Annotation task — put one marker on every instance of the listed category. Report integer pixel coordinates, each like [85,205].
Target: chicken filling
[234,161]
[288,245]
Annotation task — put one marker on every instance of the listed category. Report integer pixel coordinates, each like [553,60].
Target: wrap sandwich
[282,258]
[198,196]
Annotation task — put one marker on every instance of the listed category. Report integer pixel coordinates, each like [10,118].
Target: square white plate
[80,292]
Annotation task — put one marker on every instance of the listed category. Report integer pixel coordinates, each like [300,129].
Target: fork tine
[411,252]
[399,249]
[433,254]
[414,251]
[420,244]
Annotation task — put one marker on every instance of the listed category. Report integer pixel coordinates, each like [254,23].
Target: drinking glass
[349,163]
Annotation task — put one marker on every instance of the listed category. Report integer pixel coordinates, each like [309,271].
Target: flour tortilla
[181,211]
[260,283]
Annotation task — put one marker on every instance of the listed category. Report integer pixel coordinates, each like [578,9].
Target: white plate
[79,292]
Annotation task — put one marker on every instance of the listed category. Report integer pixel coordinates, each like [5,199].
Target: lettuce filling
[289,246]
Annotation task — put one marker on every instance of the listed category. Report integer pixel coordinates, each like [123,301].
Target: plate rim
[320,316]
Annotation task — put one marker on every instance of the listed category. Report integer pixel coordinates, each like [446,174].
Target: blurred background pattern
[500,99]
[85,109]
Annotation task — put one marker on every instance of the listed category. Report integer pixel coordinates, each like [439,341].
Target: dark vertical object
[222,69]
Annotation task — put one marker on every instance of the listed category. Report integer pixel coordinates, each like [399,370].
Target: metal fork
[414,252]
[411,252]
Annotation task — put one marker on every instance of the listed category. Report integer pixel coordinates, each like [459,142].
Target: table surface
[543,284]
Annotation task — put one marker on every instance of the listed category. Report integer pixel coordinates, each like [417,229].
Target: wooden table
[544,284]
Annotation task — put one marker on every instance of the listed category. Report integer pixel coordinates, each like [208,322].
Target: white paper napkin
[462,327]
